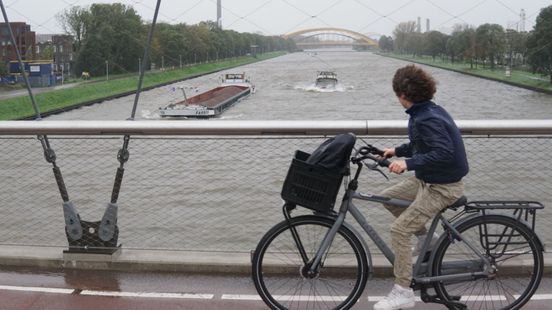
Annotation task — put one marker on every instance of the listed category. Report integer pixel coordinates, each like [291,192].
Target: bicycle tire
[278,270]
[500,238]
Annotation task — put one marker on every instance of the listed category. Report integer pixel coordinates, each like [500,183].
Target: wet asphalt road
[72,289]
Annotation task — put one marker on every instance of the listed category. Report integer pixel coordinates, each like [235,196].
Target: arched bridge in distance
[330,37]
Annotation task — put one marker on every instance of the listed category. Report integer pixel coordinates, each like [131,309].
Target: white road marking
[37,289]
[309,298]
[286,297]
[482,297]
[148,294]
[537,296]
[240,297]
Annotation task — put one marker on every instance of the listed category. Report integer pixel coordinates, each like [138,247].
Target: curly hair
[414,83]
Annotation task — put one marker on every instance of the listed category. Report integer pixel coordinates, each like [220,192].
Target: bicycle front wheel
[280,273]
[513,251]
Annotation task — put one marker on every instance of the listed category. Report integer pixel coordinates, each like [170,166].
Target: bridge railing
[215,185]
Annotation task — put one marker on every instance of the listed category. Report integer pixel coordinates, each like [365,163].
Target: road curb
[165,261]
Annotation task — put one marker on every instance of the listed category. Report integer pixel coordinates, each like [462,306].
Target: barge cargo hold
[212,102]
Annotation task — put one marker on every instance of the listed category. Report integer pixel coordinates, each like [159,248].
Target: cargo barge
[212,102]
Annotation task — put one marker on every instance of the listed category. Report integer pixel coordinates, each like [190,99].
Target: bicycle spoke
[283,280]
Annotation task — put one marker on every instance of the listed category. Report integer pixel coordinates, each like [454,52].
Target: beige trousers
[428,201]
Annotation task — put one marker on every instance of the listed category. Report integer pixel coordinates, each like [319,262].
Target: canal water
[285,90]
[222,194]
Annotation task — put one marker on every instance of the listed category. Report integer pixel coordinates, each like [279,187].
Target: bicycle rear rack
[497,243]
[521,210]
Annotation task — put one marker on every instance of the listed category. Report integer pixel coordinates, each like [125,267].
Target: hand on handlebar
[388,153]
[384,155]
[397,166]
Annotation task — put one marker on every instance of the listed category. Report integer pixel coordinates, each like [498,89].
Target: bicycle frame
[420,268]
[436,268]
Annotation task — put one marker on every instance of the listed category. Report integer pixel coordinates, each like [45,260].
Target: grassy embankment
[518,77]
[20,107]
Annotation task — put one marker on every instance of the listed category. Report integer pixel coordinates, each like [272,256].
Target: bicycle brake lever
[375,168]
[375,150]
[382,173]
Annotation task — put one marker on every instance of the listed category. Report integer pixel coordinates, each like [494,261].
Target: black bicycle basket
[313,181]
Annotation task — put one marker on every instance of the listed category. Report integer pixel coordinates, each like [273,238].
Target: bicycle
[481,260]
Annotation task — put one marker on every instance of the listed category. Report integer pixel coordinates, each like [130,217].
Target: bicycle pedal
[454,304]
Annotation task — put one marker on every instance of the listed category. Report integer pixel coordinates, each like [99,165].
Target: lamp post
[107,70]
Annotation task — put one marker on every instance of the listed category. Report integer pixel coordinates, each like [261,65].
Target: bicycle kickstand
[455,304]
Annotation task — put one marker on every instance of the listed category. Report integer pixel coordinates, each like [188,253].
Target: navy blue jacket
[436,149]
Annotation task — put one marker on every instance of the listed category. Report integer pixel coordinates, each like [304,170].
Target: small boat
[212,102]
[326,79]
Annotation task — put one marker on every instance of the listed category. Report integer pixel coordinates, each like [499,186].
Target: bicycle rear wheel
[512,249]
[280,275]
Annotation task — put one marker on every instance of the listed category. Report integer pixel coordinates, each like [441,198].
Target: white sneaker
[421,239]
[399,298]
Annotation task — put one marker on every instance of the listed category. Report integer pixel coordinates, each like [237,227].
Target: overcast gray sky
[274,17]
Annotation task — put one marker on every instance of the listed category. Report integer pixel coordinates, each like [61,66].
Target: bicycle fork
[312,266]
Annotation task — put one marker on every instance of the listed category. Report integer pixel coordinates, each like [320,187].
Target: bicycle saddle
[458,203]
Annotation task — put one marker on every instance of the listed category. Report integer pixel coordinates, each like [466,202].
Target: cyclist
[436,154]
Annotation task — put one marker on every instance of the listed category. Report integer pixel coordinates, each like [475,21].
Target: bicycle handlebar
[368,151]
[375,150]
[384,162]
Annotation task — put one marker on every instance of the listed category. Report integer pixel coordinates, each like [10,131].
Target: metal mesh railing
[218,193]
